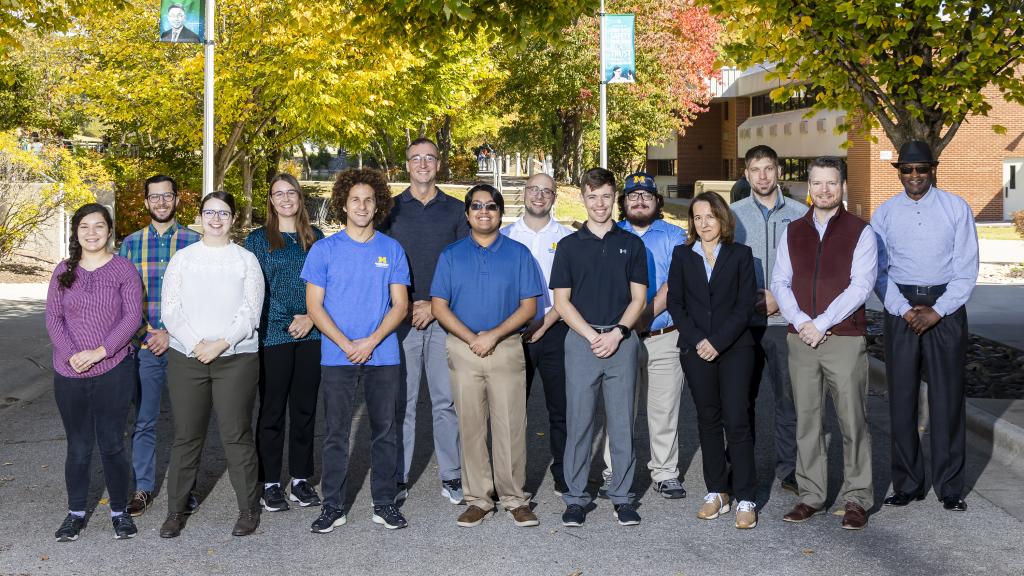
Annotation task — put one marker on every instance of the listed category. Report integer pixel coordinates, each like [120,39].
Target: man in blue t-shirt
[357,294]
[484,291]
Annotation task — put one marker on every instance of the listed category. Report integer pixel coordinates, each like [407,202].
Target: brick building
[984,167]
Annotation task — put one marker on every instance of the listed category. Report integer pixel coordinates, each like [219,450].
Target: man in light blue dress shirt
[927,269]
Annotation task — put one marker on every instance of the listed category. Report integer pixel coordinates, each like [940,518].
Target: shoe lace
[671,484]
[453,484]
[124,521]
[69,522]
[574,508]
[627,507]
[746,506]
[712,498]
[387,511]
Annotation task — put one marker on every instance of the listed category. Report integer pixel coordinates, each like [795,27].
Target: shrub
[1018,222]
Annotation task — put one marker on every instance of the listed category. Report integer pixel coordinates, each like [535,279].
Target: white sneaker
[715,504]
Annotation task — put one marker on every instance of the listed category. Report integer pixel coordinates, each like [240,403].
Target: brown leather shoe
[856,518]
[172,525]
[473,516]
[140,501]
[523,516]
[801,512]
[248,521]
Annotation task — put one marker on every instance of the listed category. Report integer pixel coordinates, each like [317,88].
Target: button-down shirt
[660,239]
[863,271]
[708,266]
[150,251]
[542,244]
[926,242]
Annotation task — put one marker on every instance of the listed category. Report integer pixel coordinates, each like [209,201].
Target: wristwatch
[624,330]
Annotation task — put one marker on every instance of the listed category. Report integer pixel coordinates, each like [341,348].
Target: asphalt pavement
[921,539]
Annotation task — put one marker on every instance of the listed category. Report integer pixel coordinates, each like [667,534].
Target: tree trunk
[273,159]
[246,189]
[444,148]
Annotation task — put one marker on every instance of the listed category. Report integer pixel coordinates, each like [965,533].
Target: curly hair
[374,179]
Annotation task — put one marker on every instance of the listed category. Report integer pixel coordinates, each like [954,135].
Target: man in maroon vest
[824,271]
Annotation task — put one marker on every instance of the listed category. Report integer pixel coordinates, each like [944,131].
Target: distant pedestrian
[93,308]
[484,293]
[927,269]
[357,292]
[711,292]
[824,272]
[290,347]
[212,297]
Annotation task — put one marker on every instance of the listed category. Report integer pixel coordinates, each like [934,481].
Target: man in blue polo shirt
[357,294]
[640,205]
[484,292]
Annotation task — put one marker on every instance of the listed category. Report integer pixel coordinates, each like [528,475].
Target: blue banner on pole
[182,21]
[617,49]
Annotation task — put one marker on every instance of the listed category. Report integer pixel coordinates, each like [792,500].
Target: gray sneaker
[671,489]
[452,490]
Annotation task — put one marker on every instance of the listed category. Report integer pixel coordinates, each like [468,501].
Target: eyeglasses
[165,197]
[904,169]
[423,159]
[645,196]
[282,194]
[490,206]
[221,214]
[538,192]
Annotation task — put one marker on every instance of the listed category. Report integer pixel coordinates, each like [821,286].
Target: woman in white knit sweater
[212,297]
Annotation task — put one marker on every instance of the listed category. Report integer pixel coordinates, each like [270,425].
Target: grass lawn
[998,233]
[569,208]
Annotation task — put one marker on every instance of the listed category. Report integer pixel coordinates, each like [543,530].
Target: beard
[165,220]
[640,220]
[537,213]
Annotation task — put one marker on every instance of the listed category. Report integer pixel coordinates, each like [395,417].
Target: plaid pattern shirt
[150,252]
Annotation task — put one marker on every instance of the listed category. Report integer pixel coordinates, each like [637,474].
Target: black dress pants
[942,350]
[547,356]
[289,383]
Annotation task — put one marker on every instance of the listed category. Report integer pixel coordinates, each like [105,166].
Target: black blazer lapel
[723,256]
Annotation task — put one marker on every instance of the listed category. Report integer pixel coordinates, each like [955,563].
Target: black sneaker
[124,527]
[626,514]
[304,494]
[330,518]
[389,516]
[273,499]
[671,488]
[574,515]
[70,528]
[561,487]
[789,484]
[452,490]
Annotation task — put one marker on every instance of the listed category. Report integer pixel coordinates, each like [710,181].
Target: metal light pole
[604,95]
[208,31]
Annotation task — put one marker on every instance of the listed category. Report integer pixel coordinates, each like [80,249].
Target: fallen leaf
[808,551]
[104,501]
[8,463]
[45,466]
[209,552]
[576,573]
[44,557]
[540,433]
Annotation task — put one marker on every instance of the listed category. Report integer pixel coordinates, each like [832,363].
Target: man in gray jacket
[760,220]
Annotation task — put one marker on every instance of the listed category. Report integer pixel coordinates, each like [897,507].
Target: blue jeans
[152,379]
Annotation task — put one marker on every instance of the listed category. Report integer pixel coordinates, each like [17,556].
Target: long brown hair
[721,212]
[303,229]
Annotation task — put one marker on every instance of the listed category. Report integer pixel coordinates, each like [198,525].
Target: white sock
[77,513]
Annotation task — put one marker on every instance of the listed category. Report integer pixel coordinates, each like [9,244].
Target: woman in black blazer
[711,291]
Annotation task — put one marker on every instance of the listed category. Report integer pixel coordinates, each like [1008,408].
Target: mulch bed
[994,370]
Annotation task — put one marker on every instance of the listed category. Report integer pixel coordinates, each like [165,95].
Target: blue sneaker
[452,490]
[389,516]
[574,516]
[330,518]
[626,514]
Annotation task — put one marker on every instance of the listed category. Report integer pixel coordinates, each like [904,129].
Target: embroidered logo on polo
[623,251]
[554,246]
[382,262]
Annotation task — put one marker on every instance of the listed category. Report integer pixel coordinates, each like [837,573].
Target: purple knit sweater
[102,307]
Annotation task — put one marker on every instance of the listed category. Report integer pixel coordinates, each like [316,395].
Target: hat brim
[898,164]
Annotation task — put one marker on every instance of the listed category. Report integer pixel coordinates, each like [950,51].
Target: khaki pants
[838,366]
[491,388]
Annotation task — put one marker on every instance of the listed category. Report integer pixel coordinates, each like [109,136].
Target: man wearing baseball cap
[927,269]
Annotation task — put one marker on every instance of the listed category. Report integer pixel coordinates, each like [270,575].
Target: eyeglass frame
[635,195]
[545,193]
[162,196]
[907,169]
[289,193]
[427,159]
[488,206]
[220,214]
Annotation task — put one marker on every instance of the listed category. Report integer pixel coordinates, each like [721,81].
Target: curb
[1005,438]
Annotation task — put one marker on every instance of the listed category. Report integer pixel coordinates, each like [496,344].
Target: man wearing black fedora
[928,266]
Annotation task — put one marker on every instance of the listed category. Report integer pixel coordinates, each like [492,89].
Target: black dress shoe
[172,525]
[954,503]
[902,499]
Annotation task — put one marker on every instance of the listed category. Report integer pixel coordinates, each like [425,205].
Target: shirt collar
[171,230]
[656,226]
[520,225]
[406,196]
[494,245]
[585,232]
[907,200]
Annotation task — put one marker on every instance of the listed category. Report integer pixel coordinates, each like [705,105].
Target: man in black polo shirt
[599,277]
[424,220]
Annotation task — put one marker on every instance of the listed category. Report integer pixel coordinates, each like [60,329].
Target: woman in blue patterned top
[290,346]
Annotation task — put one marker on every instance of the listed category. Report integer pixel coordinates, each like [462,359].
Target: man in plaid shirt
[150,249]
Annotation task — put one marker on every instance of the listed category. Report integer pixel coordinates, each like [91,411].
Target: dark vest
[821,268]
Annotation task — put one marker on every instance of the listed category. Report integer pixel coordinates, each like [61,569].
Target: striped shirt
[150,252]
[102,308]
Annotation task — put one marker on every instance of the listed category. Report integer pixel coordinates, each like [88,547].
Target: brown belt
[668,330]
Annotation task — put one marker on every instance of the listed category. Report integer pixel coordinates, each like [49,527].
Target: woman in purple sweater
[93,308]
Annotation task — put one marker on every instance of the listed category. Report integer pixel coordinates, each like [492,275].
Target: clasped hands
[207,352]
[706,351]
[604,345]
[921,318]
[86,359]
[810,334]
[300,327]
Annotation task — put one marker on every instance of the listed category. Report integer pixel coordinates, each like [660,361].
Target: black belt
[604,330]
[658,332]
[909,290]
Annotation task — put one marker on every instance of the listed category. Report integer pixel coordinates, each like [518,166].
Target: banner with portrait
[182,21]
[617,49]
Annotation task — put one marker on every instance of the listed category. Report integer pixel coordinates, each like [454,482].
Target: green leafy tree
[915,68]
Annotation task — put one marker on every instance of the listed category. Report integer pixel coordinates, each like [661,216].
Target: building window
[793,169]
[725,110]
[665,168]
[804,98]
